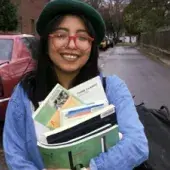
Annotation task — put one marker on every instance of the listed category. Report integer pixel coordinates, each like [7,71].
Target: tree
[112,14]
[167,14]
[8,16]
[145,15]
[116,9]
[111,11]
[95,3]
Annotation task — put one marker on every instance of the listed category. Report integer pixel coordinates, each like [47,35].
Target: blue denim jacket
[20,143]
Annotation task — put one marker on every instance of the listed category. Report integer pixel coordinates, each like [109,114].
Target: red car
[16,60]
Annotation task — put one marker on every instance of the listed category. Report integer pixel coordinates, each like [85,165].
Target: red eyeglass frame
[73,37]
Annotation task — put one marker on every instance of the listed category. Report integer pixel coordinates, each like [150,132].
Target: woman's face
[70,45]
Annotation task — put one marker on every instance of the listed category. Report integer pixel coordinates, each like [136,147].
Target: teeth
[70,56]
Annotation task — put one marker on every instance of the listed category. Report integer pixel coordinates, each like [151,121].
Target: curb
[154,56]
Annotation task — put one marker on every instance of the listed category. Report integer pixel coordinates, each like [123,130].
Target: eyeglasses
[62,40]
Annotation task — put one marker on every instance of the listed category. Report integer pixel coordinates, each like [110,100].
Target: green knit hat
[57,7]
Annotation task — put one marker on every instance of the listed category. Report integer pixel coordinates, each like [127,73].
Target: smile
[69,57]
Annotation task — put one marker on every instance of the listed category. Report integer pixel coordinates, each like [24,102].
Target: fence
[157,42]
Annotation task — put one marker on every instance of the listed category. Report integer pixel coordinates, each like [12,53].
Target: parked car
[16,60]
[103,44]
[111,42]
[107,41]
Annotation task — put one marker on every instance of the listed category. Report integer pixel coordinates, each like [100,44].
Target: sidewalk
[164,60]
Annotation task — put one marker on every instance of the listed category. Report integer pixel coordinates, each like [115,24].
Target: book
[48,113]
[90,91]
[88,121]
[75,125]
[79,150]
[80,126]
[69,116]
[87,124]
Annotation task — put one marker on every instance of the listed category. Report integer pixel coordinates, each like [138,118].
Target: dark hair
[38,83]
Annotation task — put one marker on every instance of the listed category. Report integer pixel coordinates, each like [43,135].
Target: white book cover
[90,91]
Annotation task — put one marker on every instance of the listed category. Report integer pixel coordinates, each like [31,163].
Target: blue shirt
[20,143]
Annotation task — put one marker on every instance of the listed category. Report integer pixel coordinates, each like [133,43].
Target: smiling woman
[69,46]
[70,32]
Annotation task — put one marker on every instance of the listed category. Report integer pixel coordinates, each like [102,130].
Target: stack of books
[75,125]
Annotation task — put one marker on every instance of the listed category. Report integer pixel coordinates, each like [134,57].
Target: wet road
[148,80]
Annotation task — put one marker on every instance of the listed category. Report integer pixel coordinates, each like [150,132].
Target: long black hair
[38,83]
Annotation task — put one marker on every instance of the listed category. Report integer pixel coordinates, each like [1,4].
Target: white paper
[90,91]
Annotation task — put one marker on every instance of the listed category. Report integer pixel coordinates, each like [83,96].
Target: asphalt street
[147,79]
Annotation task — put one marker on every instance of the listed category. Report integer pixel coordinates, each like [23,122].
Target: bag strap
[35,104]
[104,83]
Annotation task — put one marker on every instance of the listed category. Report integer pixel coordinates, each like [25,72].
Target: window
[32,44]
[6,46]
[20,23]
[32,26]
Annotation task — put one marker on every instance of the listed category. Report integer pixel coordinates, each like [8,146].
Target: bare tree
[111,10]
[115,12]
[95,3]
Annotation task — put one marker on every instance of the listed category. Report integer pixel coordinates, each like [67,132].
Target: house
[28,12]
